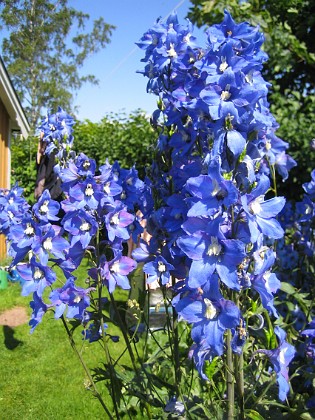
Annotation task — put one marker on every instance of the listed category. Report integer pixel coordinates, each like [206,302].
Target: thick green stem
[230,376]
[239,375]
[95,391]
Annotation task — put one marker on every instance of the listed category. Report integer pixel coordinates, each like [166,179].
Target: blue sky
[120,87]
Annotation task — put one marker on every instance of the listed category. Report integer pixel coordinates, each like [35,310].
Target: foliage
[23,164]
[128,139]
[289,28]
[47,46]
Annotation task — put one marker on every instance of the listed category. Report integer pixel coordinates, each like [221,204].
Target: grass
[40,375]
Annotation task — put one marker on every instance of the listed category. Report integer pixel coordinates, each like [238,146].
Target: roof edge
[12,102]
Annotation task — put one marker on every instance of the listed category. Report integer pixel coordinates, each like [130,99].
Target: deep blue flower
[281,357]
[39,308]
[260,213]
[263,280]
[210,314]
[36,277]
[211,191]
[210,251]
[117,221]
[76,299]
[50,242]
[158,269]
[81,225]
[46,209]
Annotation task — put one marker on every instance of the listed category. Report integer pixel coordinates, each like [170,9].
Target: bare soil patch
[14,317]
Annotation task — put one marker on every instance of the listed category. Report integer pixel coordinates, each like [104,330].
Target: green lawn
[40,376]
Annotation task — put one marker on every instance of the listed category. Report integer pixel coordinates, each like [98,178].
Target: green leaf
[287,288]
[253,415]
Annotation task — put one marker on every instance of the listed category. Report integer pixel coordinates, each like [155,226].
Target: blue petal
[200,272]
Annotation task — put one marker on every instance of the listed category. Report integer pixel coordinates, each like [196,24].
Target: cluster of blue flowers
[97,214]
[215,223]
[208,202]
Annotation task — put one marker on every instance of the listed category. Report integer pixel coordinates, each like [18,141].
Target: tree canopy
[289,29]
[46,46]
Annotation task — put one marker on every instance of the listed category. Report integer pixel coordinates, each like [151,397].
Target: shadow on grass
[9,341]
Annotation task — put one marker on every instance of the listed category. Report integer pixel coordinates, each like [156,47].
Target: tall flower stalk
[205,221]
[215,222]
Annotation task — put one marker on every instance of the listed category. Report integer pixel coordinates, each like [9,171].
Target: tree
[289,28]
[47,45]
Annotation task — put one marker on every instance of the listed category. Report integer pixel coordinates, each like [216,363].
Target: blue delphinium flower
[36,277]
[46,209]
[210,314]
[210,251]
[158,269]
[56,131]
[39,309]
[211,176]
[281,357]
[260,213]
[71,297]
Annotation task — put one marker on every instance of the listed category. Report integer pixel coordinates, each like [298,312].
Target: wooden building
[12,119]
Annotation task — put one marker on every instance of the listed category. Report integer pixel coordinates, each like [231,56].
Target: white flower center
[86,164]
[10,214]
[268,145]
[214,248]
[115,219]
[254,206]
[186,38]
[115,267]
[249,77]
[38,274]
[77,299]
[161,267]
[211,311]
[225,94]
[106,187]
[308,209]
[48,244]
[85,226]
[89,190]
[171,52]
[29,230]
[44,207]
[224,65]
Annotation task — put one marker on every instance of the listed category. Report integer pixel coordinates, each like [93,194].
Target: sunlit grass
[40,375]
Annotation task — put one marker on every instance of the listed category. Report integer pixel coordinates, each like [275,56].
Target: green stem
[107,354]
[176,344]
[230,376]
[239,370]
[239,374]
[125,334]
[95,391]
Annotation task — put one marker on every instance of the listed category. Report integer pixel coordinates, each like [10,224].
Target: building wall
[4,162]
